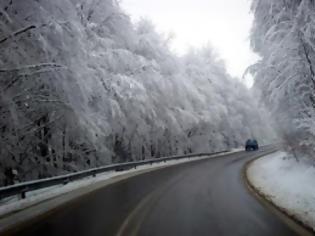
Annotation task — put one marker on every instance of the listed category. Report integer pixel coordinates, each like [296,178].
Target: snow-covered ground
[287,183]
[14,203]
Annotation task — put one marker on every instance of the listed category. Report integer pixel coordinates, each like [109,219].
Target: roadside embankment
[287,184]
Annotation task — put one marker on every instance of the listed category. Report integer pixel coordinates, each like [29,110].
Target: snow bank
[287,183]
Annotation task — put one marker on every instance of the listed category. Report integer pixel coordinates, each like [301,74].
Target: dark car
[251,145]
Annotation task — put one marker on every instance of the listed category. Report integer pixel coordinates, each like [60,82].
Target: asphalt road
[206,197]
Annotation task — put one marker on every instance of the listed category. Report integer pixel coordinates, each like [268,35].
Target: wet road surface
[206,197]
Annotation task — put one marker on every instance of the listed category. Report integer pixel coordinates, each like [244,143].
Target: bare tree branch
[6,15]
[16,33]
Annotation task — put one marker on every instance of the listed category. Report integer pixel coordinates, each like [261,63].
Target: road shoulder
[288,218]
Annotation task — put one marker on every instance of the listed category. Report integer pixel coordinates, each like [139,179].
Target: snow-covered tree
[284,36]
[81,86]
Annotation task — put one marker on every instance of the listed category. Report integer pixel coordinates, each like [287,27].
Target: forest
[82,86]
[283,36]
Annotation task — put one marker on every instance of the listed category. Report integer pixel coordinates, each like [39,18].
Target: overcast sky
[225,24]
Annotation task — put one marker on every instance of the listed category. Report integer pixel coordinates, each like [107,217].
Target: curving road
[206,197]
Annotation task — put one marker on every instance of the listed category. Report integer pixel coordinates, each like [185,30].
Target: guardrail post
[94,173]
[23,193]
[66,181]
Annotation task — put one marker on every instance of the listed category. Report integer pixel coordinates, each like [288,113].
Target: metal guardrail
[22,188]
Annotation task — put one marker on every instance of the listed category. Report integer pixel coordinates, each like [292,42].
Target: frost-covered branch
[287,49]
[30,70]
[309,64]
[35,129]
[32,67]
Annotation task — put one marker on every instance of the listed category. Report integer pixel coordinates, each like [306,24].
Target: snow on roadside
[12,204]
[287,183]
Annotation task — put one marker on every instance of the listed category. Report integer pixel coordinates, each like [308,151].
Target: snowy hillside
[80,86]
